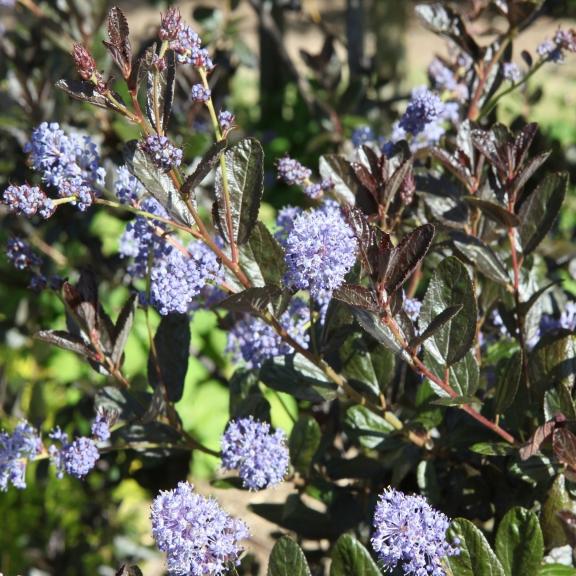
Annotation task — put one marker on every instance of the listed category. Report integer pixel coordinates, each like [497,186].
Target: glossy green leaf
[297,376]
[304,441]
[350,558]
[519,543]
[508,382]
[268,254]
[369,428]
[287,559]
[476,558]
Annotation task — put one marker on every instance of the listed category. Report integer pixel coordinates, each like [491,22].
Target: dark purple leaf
[251,300]
[119,41]
[205,166]
[122,329]
[540,210]
[564,446]
[541,433]
[68,342]
[405,257]
[168,359]
[357,297]
[494,212]
[86,92]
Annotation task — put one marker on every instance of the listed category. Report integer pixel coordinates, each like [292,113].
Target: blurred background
[300,76]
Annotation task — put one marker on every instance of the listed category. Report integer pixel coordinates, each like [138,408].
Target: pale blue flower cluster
[28,200]
[260,455]
[424,107]
[320,250]
[226,120]
[252,341]
[412,307]
[15,450]
[162,152]
[188,48]
[127,187]
[362,135]
[554,50]
[199,93]
[177,278]
[409,532]
[139,241]
[292,172]
[445,79]
[75,458]
[20,254]
[511,72]
[101,425]
[197,535]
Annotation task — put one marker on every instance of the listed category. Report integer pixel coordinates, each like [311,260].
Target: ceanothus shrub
[405,305]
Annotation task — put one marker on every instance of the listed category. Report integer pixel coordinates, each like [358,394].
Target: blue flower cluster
[226,120]
[162,152]
[320,250]
[177,278]
[253,341]
[20,254]
[197,535]
[424,107]
[412,307]
[295,174]
[101,425]
[75,458]
[199,93]
[260,456]
[423,123]
[15,450]
[409,531]
[511,72]
[127,187]
[444,79]
[188,46]
[139,241]
[362,135]
[292,172]
[553,50]
[28,200]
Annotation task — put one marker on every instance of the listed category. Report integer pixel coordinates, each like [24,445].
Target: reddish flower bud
[170,24]
[85,63]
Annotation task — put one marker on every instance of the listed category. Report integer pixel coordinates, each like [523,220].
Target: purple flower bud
[292,172]
[412,308]
[407,530]
[199,538]
[200,94]
[170,24]
[511,72]
[260,456]
[75,187]
[162,152]
[20,254]
[85,63]
[101,425]
[226,120]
